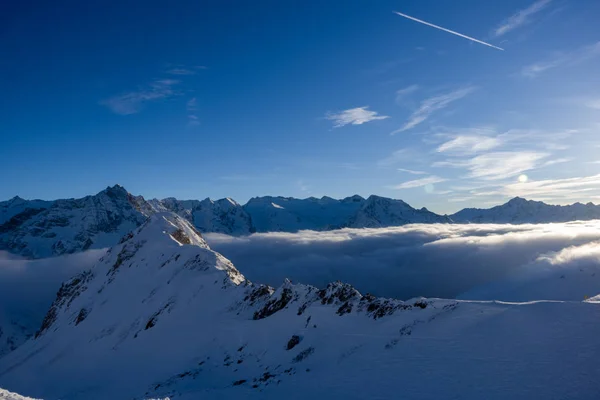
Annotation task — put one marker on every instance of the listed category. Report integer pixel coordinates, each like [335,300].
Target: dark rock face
[83,313]
[275,305]
[294,340]
[337,292]
[19,219]
[181,237]
[68,292]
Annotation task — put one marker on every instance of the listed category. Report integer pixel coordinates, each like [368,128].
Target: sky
[302,98]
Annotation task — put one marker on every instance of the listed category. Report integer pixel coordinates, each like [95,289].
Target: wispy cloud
[593,104]
[481,139]
[497,165]
[465,144]
[402,94]
[419,182]
[133,102]
[520,18]
[571,58]
[191,107]
[433,104]
[182,70]
[354,116]
[396,157]
[556,161]
[448,30]
[412,171]
[568,188]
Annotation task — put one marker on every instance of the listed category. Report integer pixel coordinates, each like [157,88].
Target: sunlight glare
[523,178]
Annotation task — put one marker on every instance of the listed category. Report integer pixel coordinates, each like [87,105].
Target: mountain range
[161,316]
[37,228]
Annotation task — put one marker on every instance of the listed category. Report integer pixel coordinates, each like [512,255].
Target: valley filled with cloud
[477,261]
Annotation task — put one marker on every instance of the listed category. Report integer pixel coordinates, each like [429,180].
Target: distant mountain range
[37,228]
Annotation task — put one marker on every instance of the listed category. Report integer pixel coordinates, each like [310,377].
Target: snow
[6,395]
[157,318]
[277,206]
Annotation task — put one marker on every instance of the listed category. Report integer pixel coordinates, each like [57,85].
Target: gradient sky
[196,99]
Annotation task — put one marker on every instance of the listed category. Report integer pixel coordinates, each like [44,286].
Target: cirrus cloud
[354,116]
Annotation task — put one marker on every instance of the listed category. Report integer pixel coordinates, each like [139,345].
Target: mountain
[521,211]
[162,315]
[220,216]
[379,212]
[287,214]
[17,205]
[39,228]
[71,225]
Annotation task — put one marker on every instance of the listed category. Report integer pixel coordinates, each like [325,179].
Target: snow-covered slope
[72,225]
[6,395]
[17,205]
[521,211]
[379,212]
[287,214]
[161,315]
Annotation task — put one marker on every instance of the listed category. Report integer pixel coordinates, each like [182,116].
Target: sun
[523,178]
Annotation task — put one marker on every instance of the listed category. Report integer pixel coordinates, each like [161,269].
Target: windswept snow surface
[161,315]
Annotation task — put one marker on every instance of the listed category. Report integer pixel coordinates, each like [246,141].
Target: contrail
[448,30]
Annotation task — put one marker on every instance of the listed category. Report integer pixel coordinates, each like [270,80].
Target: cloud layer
[427,260]
[28,287]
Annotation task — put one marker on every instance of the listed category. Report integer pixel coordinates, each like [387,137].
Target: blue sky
[229,98]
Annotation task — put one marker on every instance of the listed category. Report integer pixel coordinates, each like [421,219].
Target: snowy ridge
[161,315]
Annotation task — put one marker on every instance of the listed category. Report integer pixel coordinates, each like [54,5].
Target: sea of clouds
[28,287]
[479,261]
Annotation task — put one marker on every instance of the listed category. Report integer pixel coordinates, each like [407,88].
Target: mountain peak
[115,191]
[517,201]
[174,230]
